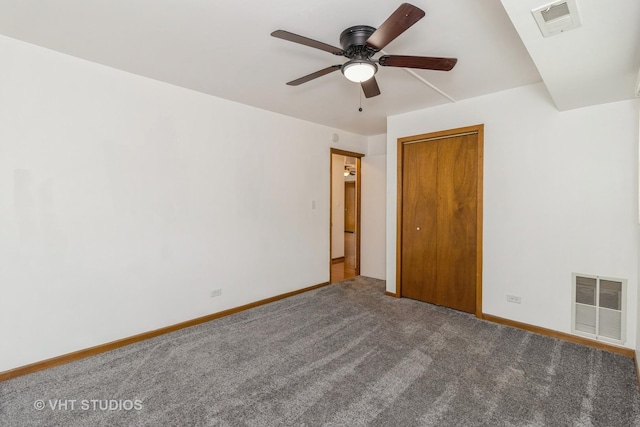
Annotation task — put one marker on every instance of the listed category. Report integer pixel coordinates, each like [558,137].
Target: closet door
[419,225]
[439,221]
[456,217]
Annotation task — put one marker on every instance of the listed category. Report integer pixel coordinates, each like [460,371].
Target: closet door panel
[456,222]
[419,222]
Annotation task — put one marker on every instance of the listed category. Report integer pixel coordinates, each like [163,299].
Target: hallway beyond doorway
[345,268]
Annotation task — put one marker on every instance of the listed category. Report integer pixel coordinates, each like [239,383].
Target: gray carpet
[345,355]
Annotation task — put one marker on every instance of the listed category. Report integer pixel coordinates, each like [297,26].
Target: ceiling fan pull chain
[360,92]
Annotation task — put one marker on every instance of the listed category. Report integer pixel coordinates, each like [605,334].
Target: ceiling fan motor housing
[354,42]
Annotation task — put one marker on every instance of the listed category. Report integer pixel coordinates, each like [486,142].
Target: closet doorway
[440,218]
[344,232]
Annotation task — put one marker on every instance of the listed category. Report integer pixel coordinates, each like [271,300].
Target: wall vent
[599,307]
[555,18]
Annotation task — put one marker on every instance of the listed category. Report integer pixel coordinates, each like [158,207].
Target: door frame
[479,129]
[357,156]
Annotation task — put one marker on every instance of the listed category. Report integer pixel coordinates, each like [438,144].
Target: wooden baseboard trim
[561,335]
[390,294]
[337,260]
[102,348]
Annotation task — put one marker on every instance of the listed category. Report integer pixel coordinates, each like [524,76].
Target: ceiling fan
[361,42]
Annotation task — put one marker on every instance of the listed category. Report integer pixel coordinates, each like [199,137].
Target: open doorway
[345,215]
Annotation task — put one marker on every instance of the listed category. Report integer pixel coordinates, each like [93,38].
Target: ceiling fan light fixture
[359,70]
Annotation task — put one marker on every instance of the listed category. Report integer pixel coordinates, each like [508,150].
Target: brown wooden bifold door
[440,220]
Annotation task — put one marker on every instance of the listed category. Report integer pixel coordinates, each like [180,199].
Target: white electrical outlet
[216,293]
[514,299]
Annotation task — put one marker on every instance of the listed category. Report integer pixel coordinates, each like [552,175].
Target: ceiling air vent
[555,18]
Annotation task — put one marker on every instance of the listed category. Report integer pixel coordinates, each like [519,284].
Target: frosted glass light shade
[359,71]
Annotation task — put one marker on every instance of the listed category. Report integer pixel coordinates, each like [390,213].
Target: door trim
[479,129]
[357,156]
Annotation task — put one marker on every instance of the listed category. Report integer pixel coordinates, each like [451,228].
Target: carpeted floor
[345,354]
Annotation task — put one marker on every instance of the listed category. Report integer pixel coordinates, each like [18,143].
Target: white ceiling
[224,48]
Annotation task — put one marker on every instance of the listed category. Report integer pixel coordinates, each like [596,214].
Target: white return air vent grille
[555,18]
[598,307]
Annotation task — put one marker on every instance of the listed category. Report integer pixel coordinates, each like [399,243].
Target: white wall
[124,201]
[560,196]
[337,215]
[372,241]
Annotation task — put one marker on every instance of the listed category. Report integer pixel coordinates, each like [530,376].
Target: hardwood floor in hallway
[345,268]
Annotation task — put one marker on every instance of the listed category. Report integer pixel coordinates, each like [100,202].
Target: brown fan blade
[399,21]
[315,75]
[285,35]
[370,87]
[423,62]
